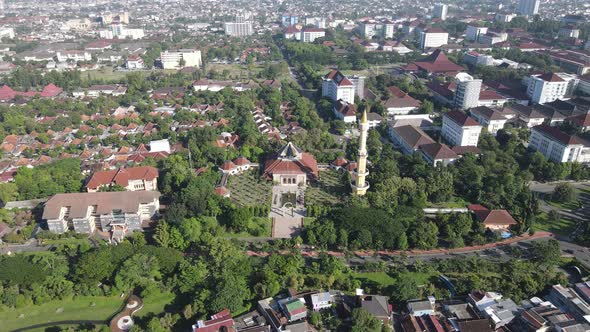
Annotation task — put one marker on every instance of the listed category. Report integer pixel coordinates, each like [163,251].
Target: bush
[564,193]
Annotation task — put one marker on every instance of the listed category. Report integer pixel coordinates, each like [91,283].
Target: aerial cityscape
[303,166]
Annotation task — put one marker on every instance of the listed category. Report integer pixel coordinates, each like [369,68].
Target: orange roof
[122,176]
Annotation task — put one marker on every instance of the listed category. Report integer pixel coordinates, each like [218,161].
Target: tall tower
[360,186]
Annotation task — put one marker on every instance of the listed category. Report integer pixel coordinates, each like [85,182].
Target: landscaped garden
[328,190]
[248,189]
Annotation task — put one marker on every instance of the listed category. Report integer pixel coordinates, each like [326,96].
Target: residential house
[321,301]
[377,306]
[294,309]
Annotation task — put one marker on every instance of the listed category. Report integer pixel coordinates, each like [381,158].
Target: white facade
[440,11]
[460,135]
[74,56]
[310,35]
[467,92]
[7,33]
[543,140]
[433,39]
[528,7]
[473,32]
[491,38]
[504,18]
[238,29]
[388,30]
[338,88]
[173,59]
[550,87]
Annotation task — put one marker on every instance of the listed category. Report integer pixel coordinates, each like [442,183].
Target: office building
[459,129]
[550,87]
[528,7]
[474,31]
[433,38]
[440,11]
[240,28]
[467,91]
[177,59]
[558,146]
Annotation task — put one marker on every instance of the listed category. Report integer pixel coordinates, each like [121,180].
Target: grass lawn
[384,280]
[563,226]
[79,308]
[328,190]
[248,189]
[574,205]
[240,71]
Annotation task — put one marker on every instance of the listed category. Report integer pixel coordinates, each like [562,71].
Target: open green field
[383,279]
[238,71]
[328,190]
[109,75]
[79,308]
[248,189]
[562,227]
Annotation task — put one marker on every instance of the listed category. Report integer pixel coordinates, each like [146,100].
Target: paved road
[548,187]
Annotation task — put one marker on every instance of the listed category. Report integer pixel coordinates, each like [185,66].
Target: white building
[388,29]
[550,87]
[467,91]
[474,31]
[309,35]
[490,118]
[7,33]
[558,146]
[345,111]
[528,7]
[504,18]
[73,55]
[460,130]
[440,11]
[433,37]
[475,59]
[240,28]
[162,145]
[318,22]
[336,86]
[181,59]
[134,61]
[493,37]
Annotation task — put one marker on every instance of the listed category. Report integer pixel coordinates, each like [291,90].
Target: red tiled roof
[461,119]
[495,217]
[345,108]
[338,78]
[437,62]
[241,161]
[438,151]
[304,163]
[339,162]
[228,165]
[551,77]
[490,95]
[122,176]
[557,134]
[582,120]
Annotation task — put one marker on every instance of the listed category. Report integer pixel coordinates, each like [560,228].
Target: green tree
[424,235]
[363,321]
[564,193]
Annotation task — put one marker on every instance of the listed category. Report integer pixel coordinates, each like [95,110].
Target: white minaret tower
[359,185]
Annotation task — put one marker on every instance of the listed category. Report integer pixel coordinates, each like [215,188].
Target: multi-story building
[467,91]
[528,7]
[459,129]
[493,37]
[134,61]
[569,32]
[336,86]
[550,87]
[318,22]
[558,146]
[493,120]
[240,28]
[473,58]
[74,56]
[309,35]
[289,19]
[176,59]
[474,31]
[504,18]
[433,37]
[571,61]
[113,211]
[132,179]
[440,11]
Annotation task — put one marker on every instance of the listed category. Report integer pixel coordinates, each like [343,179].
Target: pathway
[123,321]
[287,220]
[415,253]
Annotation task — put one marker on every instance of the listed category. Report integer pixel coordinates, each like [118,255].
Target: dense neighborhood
[294,166]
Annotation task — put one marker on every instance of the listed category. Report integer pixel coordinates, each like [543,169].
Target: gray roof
[376,305]
[105,202]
